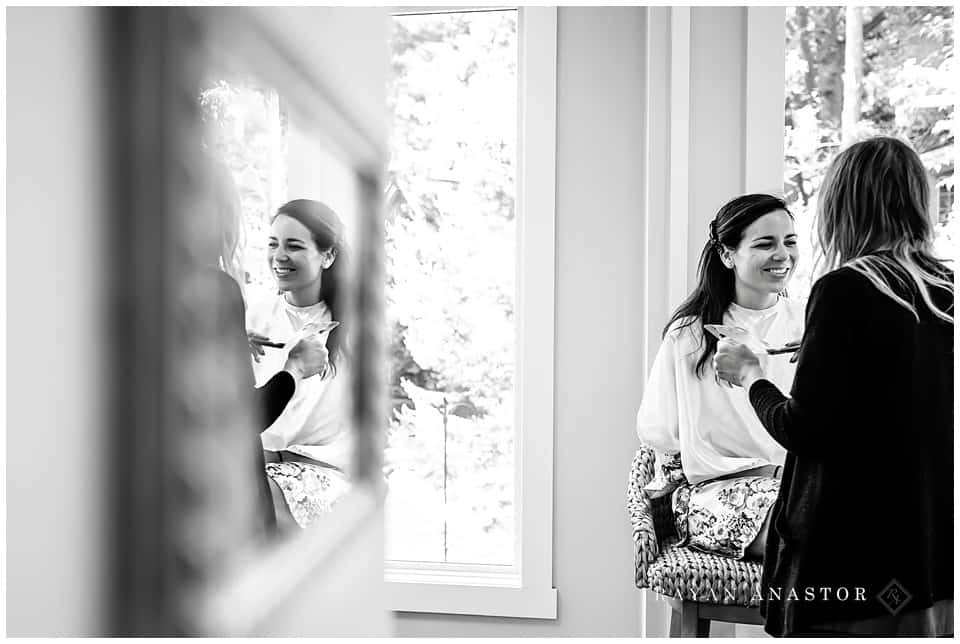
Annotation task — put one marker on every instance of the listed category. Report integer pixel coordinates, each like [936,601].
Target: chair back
[641,513]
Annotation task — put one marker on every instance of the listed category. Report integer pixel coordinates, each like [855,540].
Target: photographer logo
[894,597]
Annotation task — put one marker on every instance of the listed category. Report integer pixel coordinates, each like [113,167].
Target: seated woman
[308,447]
[305,358]
[730,465]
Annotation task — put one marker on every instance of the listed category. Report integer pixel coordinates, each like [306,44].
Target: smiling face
[295,261]
[764,260]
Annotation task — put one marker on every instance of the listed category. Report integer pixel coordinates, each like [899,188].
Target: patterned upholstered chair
[700,587]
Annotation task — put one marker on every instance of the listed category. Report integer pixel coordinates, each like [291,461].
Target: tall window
[451,240]
[470,307]
[852,72]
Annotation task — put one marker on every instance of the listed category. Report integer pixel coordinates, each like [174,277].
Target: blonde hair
[227,211]
[875,198]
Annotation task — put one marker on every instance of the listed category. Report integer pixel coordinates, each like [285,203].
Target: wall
[339,44]
[600,375]
[717,55]
[56,429]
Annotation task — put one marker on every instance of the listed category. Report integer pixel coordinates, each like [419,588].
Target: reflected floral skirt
[309,490]
[723,517]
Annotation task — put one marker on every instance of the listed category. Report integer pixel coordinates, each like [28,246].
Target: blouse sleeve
[657,419]
[811,420]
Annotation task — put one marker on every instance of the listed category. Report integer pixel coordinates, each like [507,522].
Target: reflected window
[247,132]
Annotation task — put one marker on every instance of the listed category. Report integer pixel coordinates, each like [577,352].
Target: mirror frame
[168,574]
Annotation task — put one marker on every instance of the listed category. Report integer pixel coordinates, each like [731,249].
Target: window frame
[524,589]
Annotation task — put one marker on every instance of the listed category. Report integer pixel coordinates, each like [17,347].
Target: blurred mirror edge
[130,523]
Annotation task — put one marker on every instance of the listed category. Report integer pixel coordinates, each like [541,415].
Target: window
[470,305]
[450,291]
[903,66]
[248,133]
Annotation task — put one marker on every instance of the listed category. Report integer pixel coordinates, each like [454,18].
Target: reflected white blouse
[714,427]
[314,422]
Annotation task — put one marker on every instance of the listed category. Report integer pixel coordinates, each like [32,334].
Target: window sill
[471,599]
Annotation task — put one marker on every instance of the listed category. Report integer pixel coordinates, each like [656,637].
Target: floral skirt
[309,490]
[723,517]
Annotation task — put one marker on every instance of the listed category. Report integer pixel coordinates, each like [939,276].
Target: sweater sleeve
[271,399]
[268,401]
[811,420]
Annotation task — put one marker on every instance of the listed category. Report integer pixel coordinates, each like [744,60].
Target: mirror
[252,222]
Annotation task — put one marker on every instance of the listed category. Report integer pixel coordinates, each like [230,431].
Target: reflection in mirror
[286,205]
[292,184]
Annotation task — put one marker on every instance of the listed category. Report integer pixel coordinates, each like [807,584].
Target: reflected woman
[304,359]
[309,446]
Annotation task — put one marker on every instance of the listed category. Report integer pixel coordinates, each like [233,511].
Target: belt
[770,471]
[287,457]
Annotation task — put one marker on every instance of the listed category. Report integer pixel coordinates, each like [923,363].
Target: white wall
[56,430]
[338,45]
[600,103]
[717,55]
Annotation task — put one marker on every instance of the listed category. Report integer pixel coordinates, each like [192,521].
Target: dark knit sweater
[267,402]
[867,492]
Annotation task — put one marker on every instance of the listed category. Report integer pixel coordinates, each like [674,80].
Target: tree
[852,72]
[905,89]
[450,237]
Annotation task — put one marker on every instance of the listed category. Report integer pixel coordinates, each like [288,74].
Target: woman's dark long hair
[715,282]
[327,231]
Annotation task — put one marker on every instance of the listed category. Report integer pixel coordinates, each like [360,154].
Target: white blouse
[714,427]
[314,421]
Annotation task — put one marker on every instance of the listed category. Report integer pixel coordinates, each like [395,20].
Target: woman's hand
[256,348]
[796,354]
[736,364]
[308,356]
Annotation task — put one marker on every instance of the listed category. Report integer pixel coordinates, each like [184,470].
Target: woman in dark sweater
[307,358]
[862,533]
